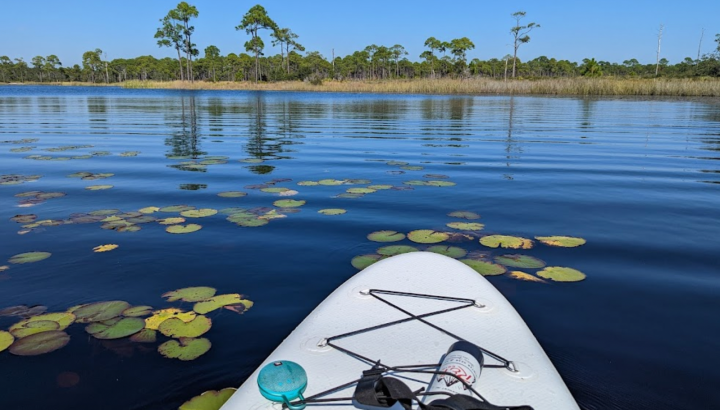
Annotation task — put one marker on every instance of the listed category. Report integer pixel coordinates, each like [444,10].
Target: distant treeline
[442,59]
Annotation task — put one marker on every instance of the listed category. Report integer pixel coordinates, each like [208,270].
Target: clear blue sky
[607,30]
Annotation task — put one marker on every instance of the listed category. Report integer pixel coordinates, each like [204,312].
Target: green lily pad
[40,343]
[104,212]
[98,187]
[232,194]
[6,339]
[466,226]
[559,274]
[144,336]
[273,214]
[288,203]
[137,311]
[525,276]
[129,154]
[171,221]
[520,261]
[308,183]
[439,183]
[210,400]
[363,261]
[332,211]
[250,222]
[23,219]
[561,241]
[141,219]
[31,328]
[178,229]
[505,241]
[392,250]
[199,213]
[128,228]
[396,163]
[412,168]
[219,301]
[185,348]
[415,183]
[115,328]
[427,236]
[360,190]
[149,210]
[331,182]
[349,195]
[176,328]
[386,236]
[29,257]
[379,187]
[450,251]
[192,294]
[251,160]
[484,268]
[153,322]
[100,311]
[274,190]
[357,181]
[176,208]
[464,215]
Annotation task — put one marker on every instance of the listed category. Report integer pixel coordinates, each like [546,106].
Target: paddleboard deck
[491,323]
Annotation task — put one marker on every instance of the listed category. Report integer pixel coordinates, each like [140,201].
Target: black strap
[463,402]
[383,392]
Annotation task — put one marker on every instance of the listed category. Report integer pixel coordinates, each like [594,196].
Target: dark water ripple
[639,179]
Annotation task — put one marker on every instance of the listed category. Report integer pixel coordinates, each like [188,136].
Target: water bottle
[283,381]
[465,361]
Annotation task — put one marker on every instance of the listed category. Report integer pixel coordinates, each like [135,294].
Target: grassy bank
[564,86]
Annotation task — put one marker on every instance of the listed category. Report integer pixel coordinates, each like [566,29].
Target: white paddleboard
[492,324]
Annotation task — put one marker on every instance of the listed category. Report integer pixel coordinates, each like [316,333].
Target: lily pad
[308,183]
[520,261]
[466,226]
[250,222]
[484,268]
[331,182]
[363,261]
[440,183]
[288,203]
[415,183]
[98,187]
[104,212]
[274,190]
[29,257]
[185,348]
[450,251]
[360,190]
[137,311]
[23,219]
[192,294]
[559,274]
[210,400]
[144,336]
[153,322]
[332,211]
[100,311]
[115,328]
[525,276]
[412,168]
[219,301]
[40,343]
[380,187]
[251,160]
[386,236]
[561,241]
[171,221]
[178,229]
[176,328]
[105,248]
[464,215]
[505,241]
[32,327]
[232,194]
[149,210]
[392,250]
[176,208]
[199,213]
[6,339]
[427,236]
[289,192]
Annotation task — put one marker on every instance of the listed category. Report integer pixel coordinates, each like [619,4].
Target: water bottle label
[461,364]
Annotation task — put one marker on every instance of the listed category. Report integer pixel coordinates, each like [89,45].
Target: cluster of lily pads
[189,163]
[39,157]
[483,262]
[16,179]
[32,198]
[39,332]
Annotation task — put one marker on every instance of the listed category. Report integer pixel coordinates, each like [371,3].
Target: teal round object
[283,381]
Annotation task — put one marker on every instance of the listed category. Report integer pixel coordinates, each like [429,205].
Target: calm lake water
[639,179]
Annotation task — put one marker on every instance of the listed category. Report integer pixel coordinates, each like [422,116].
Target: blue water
[638,178]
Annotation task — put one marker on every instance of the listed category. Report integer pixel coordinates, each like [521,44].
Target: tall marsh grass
[562,86]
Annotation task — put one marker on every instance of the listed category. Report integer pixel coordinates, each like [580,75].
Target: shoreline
[576,86]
